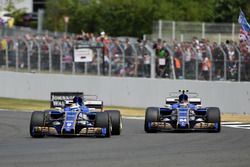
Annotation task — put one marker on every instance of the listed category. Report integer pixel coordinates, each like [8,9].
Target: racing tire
[213,116]
[152,115]
[102,120]
[37,119]
[116,121]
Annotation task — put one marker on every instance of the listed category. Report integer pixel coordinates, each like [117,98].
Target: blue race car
[182,112]
[77,117]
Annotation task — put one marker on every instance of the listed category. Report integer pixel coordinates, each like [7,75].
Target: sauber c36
[183,112]
[71,116]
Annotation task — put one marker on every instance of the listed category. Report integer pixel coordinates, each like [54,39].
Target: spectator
[206,65]
[177,67]
[232,64]
[129,59]
[187,57]
[3,47]
[218,61]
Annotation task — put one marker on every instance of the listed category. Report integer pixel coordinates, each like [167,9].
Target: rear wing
[195,101]
[192,100]
[94,104]
[171,100]
[59,99]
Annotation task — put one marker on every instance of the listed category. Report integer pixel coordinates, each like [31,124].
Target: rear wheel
[37,120]
[213,116]
[152,115]
[116,121]
[102,120]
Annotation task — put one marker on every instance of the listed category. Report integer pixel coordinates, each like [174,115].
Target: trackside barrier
[126,91]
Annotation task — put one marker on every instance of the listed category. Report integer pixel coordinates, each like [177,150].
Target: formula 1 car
[71,114]
[183,112]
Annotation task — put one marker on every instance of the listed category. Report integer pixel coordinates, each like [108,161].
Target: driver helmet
[77,100]
[183,98]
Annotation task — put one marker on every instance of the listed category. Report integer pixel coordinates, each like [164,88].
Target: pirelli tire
[152,114]
[37,119]
[116,121]
[213,116]
[102,120]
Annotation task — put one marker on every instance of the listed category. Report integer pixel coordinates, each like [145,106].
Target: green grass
[23,104]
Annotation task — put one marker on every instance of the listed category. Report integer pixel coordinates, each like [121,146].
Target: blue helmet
[77,100]
[183,97]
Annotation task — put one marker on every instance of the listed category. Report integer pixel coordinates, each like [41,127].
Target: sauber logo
[68,124]
[183,120]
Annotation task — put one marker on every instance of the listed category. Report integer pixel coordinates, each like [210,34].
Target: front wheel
[115,116]
[102,120]
[152,115]
[213,116]
[37,120]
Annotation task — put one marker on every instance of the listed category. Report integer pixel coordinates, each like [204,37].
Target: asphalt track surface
[230,148]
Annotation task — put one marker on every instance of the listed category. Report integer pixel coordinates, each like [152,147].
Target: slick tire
[152,115]
[103,120]
[213,116]
[37,119]
[116,121]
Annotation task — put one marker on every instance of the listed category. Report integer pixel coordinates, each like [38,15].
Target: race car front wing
[88,131]
[168,126]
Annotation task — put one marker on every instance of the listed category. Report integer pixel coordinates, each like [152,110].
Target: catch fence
[184,60]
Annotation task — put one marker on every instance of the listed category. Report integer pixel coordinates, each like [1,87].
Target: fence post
[219,38]
[183,65]
[17,53]
[110,62]
[225,63]
[196,64]
[28,56]
[50,58]
[98,61]
[85,68]
[136,60]
[239,64]
[211,62]
[7,56]
[160,29]
[233,31]
[123,60]
[74,67]
[61,56]
[28,53]
[172,62]
[182,37]
[203,30]
[39,56]
[173,30]
[152,65]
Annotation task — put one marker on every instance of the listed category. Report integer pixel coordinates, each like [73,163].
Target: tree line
[135,17]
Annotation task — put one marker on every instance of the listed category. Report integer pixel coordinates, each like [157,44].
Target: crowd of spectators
[204,60]
[196,59]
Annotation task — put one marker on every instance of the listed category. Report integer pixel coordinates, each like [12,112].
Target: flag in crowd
[245,28]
